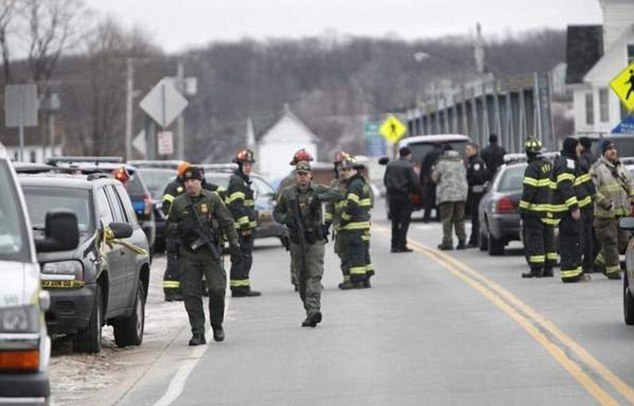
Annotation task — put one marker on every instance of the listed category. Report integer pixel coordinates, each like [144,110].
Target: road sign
[375,144]
[626,126]
[392,129]
[163,103]
[623,86]
[139,143]
[165,143]
[20,105]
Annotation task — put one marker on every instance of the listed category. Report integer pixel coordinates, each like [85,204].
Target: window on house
[589,109]
[604,106]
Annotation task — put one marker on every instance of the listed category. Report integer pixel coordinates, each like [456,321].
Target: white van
[24,344]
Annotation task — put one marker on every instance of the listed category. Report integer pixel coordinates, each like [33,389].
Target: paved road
[436,328]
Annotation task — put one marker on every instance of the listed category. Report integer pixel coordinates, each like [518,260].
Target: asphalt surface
[436,328]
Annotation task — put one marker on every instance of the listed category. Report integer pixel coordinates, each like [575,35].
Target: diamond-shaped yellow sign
[392,129]
[623,86]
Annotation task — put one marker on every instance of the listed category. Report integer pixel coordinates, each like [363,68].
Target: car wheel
[496,247]
[628,302]
[89,339]
[129,330]
[483,242]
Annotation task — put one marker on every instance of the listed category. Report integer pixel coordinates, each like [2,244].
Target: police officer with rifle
[299,209]
[197,219]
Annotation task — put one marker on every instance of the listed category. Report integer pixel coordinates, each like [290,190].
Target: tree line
[333,83]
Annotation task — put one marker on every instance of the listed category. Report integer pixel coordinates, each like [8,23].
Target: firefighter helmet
[533,146]
[244,156]
[301,155]
[349,162]
[182,167]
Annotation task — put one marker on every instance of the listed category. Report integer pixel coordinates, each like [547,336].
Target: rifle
[299,227]
[202,231]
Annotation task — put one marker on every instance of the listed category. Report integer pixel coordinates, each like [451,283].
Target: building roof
[584,47]
[263,123]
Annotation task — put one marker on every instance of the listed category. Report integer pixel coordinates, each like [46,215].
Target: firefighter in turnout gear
[299,209]
[586,192]
[354,226]
[241,204]
[332,216]
[565,207]
[197,218]
[615,193]
[537,220]
[172,275]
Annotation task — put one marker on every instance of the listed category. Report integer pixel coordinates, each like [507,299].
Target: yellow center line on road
[557,343]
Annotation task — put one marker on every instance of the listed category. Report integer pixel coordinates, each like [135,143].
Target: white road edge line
[177,384]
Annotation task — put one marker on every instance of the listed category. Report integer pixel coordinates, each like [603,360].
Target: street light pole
[128,108]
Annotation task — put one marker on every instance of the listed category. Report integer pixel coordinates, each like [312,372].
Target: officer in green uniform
[198,218]
[299,209]
[332,217]
[355,226]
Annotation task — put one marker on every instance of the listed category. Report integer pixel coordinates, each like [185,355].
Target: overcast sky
[178,24]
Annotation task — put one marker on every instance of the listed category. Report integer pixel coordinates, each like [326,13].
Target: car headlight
[23,319]
[63,270]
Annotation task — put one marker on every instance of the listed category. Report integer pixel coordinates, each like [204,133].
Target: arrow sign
[163,103]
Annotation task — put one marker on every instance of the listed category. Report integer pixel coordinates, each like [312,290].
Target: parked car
[24,343]
[627,223]
[105,279]
[420,145]
[136,187]
[264,195]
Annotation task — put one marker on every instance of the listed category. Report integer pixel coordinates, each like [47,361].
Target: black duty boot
[445,247]
[346,285]
[367,283]
[197,339]
[312,320]
[245,293]
[548,273]
[219,333]
[461,245]
[534,273]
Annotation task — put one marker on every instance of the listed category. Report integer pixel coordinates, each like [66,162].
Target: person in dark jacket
[493,155]
[428,187]
[477,176]
[585,194]
[565,207]
[400,182]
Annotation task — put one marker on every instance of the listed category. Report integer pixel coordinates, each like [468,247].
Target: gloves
[235,253]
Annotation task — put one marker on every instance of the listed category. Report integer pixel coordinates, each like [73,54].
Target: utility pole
[180,123]
[128,108]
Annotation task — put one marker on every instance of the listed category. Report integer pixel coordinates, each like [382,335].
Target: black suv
[136,187]
[103,281]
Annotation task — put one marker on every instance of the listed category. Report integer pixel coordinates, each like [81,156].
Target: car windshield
[511,180]
[40,199]
[156,179]
[14,244]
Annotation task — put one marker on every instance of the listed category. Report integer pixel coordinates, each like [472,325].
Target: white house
[276,146]
[597,108]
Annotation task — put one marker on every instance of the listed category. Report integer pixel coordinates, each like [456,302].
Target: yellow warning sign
[623,86]
[392,129]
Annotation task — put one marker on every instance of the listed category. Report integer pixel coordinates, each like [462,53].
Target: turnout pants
[613,241]
[309,277]
[539,243]
[357,255]
[587,239]
[401,213]
[194,266]
[340,250]
[452,217]
[240,269]
[172,275]
[570,249]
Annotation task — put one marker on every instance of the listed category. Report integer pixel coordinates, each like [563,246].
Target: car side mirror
[627,223]
[121,230]
[61,232]
[384,160]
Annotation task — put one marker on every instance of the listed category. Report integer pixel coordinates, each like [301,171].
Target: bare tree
[8,10]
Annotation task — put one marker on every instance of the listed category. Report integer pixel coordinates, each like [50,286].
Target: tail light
[505,205]
[147,200]
[28,360]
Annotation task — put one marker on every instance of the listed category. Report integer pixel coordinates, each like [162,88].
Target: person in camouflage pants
[450,177]
[299,210]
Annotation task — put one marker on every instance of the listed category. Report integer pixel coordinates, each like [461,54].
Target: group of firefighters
[585,197]
[202,216]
